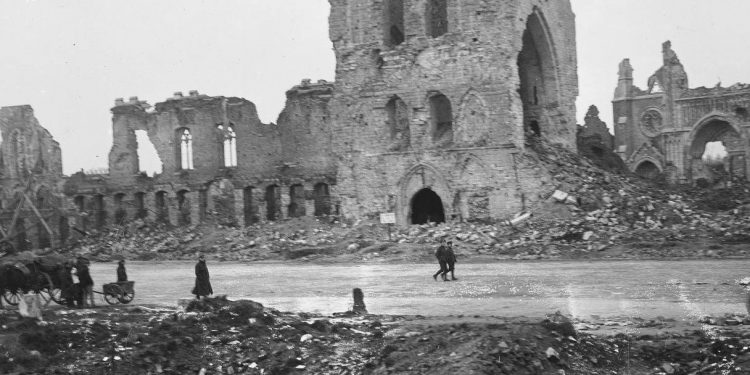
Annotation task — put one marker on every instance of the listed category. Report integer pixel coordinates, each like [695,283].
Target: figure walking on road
[202,283]
[450,259]
[440,255]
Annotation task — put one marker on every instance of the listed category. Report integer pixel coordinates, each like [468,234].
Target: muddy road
[647,289]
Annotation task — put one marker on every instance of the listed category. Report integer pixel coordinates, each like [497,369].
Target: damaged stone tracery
[666,127]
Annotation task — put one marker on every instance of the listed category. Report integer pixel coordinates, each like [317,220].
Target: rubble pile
[218,336]
[588,213]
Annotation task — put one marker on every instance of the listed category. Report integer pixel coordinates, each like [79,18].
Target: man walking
[450,259]
[202,283]
[440,255]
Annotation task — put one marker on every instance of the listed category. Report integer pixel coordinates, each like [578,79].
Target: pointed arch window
[185,149]
[229,145]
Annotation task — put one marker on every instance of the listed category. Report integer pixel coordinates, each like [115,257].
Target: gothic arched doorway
[426,207]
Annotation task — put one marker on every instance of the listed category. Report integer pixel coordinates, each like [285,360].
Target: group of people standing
[82,292]
[447,259]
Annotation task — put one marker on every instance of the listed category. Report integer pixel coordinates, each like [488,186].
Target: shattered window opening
[186,149]
[441,113]
[436,18]
[229,146]
[394,24]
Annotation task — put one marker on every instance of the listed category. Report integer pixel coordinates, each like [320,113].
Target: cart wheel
[127,297]
[13,297]
[113,294]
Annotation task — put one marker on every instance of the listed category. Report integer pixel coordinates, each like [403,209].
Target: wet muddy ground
[684,289]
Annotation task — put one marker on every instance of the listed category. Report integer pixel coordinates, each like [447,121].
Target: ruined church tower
[434,98]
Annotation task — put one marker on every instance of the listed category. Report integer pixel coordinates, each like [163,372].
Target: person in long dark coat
[67,290]
[202,282]
[86,282]
[122,275]
[450,259]
[440,255]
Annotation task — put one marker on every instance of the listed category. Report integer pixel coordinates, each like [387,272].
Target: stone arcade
[428,117]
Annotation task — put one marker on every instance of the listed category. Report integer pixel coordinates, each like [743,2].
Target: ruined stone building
[219,161]
[666,127]
[433,99]
[32,213]
[428,118]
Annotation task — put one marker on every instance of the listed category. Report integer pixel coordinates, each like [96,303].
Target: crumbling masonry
[665,128]
[433,103]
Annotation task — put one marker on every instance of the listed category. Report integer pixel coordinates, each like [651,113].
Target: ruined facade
[665,128]
[428,118]
[32,206]
[433,100]
[220,162]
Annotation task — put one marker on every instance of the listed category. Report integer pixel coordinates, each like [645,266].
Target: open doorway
[427,207]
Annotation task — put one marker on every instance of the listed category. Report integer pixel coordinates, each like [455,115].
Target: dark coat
[202,283]
[66,282]
[121,274]
[84,277]
[440,252]
[450,256]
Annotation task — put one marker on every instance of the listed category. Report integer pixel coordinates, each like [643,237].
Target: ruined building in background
[667,127]
[32,206]
[433,100]
[219,161]
[427,119]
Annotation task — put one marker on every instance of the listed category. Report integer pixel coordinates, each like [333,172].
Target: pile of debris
[219,336]
[591,213]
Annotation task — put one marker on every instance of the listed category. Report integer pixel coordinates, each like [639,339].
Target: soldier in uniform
[440,255]
[450,259]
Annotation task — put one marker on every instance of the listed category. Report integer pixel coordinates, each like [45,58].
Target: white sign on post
[388,218]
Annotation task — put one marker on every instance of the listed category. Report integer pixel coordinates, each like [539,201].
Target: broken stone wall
[31,171]
[235,159]
[471,91]
[669,124]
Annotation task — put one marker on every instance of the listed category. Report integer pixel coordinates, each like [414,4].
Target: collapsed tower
[433,100]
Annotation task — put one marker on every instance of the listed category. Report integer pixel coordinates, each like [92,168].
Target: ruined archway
[716,129]
[426,207]
[296,201]
[421,176]
[647,170]
[160,203]
[322,199]
[538,78]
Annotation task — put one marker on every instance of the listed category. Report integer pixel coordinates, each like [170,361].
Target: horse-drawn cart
[27,273]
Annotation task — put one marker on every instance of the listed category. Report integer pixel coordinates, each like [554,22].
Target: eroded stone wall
[31,182]
[666,127]
[219,162]
[447,108]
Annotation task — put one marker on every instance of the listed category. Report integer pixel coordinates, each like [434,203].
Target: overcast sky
[70,59]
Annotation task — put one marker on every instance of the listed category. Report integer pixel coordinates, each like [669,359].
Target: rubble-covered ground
[217,336]
[591,214]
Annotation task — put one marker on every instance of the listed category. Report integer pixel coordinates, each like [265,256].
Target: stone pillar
[239,207]
[194,202]
[262,212]
[309,201]
[108,203]
[285,200]
[172,208]
[149,203]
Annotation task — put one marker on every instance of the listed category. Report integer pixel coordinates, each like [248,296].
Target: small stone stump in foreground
[359,302]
